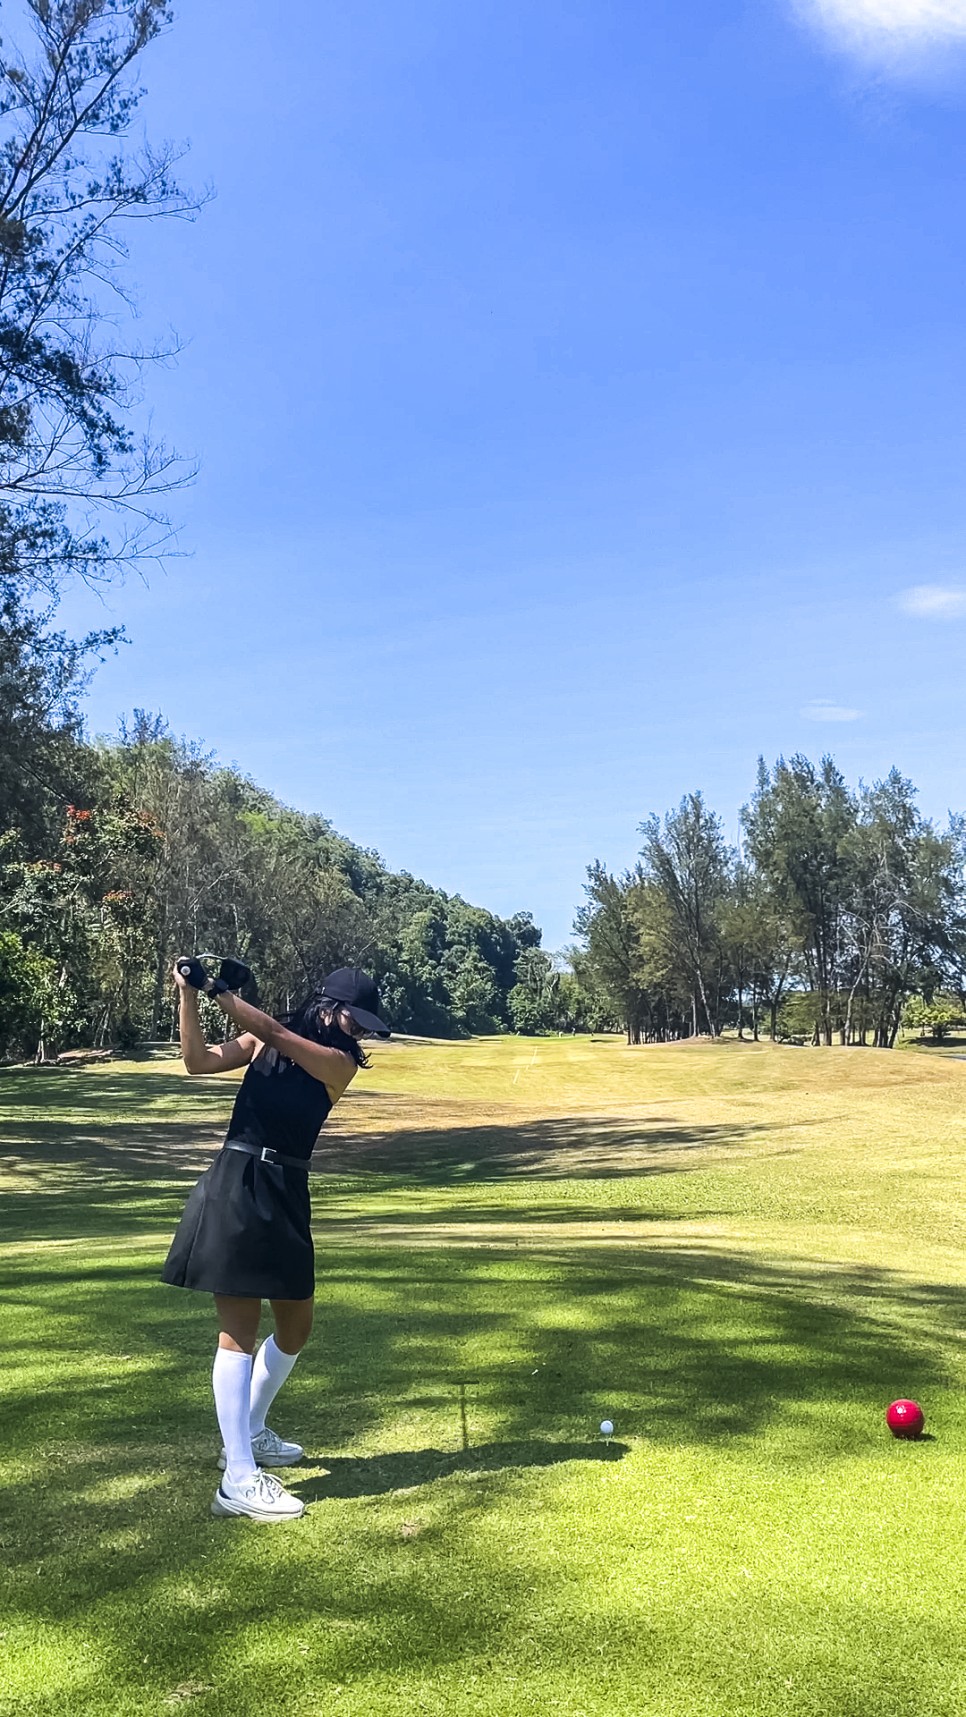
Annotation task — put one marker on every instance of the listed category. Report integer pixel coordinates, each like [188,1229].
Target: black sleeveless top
[279,1105]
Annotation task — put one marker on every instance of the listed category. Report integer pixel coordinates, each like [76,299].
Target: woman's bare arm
[197,1055]
[332,1066]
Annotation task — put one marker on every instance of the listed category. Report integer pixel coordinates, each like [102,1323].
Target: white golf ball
[606,1428]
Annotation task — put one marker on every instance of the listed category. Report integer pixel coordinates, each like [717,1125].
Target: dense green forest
[118,855]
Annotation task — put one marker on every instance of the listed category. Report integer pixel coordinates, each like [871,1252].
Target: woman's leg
[293,1324]
[276,1356]
[231,1380]
[238,1322]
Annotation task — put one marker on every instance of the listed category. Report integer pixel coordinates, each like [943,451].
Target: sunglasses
[350,1025]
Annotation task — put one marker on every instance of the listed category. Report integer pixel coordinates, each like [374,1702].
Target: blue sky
[580,397]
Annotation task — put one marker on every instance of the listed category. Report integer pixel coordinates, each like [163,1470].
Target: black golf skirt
[246,1230]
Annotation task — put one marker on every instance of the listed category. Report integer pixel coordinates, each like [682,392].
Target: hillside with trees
[158,850]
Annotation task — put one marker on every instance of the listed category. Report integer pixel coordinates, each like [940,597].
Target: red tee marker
[905,1419]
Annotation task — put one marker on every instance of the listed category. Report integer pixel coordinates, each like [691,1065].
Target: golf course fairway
[738,1253]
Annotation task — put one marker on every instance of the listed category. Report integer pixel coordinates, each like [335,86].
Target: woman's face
[346,1023]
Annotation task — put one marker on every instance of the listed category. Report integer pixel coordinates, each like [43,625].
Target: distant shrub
[798,1017]
[936,1018]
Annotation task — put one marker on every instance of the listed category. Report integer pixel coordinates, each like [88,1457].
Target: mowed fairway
[739,1254]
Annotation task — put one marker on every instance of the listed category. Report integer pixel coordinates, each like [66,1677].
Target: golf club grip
[193,973]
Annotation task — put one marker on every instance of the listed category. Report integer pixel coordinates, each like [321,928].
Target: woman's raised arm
[197,1055]
[332,1066]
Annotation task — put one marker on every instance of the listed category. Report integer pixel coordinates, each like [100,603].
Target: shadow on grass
[380,1475]
[564,1147]
[107,1088]
[99,1153]
[108,1430]
[685,1343]
[106,1398]
[56,1156]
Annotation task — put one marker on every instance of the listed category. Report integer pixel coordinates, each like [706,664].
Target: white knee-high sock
[231,1378]
[269,1372]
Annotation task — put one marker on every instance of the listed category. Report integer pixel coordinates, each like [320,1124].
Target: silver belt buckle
[267,1154]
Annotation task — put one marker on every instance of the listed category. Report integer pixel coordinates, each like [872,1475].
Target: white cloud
[889,27]
[933,601]
[821,709]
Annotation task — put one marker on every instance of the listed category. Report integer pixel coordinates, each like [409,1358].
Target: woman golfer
[245,1234]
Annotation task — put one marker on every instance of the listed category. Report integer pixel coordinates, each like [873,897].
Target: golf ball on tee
[606,1428]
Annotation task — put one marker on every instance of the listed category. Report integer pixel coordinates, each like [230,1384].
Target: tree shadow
[380,1475]
[94,1126]
[686,1343]
[571,1147]
[681,1342]
[46,1154]
[107,1088]
[686,1347]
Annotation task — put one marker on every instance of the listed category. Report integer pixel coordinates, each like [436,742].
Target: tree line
[841,914]
[116,856]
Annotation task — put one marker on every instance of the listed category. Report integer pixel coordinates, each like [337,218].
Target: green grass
[738,1253]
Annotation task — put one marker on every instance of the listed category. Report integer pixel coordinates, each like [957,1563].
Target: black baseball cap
[357,993]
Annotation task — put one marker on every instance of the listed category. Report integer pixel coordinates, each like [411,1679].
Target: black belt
[265,1154]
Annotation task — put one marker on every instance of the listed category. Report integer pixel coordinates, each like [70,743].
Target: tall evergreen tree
[606,925]
[686,858]
[796,828]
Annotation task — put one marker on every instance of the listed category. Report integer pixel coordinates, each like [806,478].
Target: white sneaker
[270,1450]
[260,1498]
